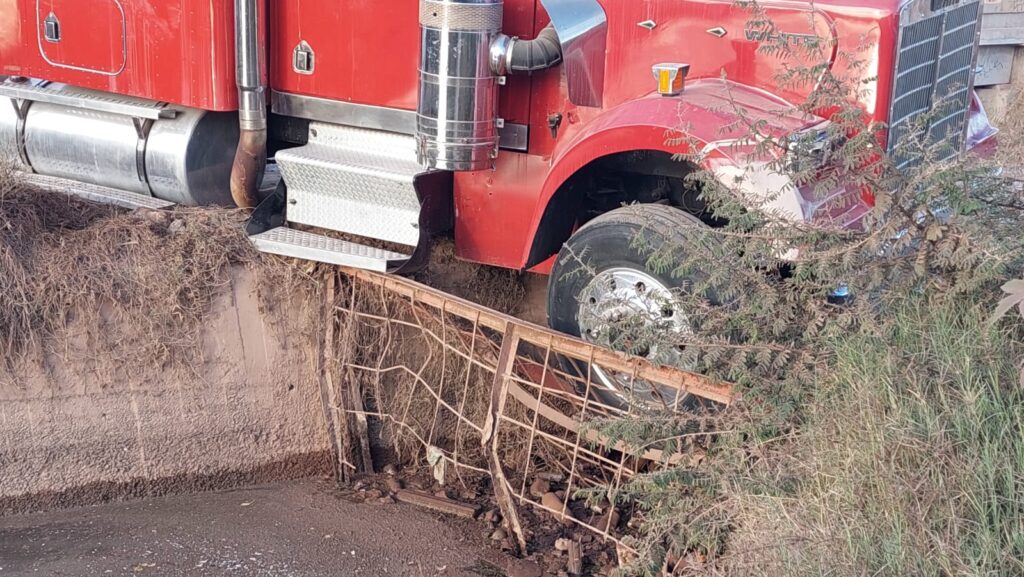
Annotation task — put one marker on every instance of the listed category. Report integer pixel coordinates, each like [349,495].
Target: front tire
[604,290]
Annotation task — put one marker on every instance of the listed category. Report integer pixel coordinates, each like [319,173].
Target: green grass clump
[911,462]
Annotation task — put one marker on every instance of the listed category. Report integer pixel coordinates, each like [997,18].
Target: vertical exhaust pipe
[250,75]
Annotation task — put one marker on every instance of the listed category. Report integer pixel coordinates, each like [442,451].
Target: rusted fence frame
[512,383]
[562,344]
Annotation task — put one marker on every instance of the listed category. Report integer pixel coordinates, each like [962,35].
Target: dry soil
[294,529]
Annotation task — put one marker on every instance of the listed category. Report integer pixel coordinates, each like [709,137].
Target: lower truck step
[366,183]
[305,245]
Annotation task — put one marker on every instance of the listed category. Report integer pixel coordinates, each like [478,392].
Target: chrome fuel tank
[188,160]
[83,145]
[178,154]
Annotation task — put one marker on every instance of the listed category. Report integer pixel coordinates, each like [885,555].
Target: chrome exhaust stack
[250,74]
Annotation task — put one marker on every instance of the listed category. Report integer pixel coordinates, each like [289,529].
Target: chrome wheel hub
[629,310]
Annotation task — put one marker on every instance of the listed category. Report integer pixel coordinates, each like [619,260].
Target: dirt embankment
[146,353]
[75,433]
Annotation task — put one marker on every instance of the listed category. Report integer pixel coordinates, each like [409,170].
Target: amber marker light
[671,77]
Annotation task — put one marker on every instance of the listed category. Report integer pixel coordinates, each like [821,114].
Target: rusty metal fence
[473,393]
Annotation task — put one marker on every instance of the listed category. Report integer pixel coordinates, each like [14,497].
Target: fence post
[499,392]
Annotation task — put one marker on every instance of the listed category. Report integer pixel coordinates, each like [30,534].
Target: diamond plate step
[354,180]
[93,192]
[305,245]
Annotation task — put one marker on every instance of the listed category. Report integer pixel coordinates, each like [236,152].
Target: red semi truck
[521,125]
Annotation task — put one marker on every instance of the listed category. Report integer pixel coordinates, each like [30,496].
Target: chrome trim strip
[124,46]
[93,192]
[341,112]
[513,136]
[115,104]
[582,27]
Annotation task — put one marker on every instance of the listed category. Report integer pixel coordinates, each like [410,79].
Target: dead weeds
[499,289]
[1010,141]
[125,286]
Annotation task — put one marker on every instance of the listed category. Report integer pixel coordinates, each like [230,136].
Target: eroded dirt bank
[76,429]
[151,361]
[146,352]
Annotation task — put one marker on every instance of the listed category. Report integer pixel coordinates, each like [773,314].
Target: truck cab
[515,126]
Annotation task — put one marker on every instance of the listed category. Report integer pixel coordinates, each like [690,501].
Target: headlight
[811,149]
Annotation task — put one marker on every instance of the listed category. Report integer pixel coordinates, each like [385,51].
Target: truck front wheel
[604,290]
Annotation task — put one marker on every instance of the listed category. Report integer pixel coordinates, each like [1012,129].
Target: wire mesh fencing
[473,393]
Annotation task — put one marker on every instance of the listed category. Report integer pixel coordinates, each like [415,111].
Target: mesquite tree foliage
[760,284]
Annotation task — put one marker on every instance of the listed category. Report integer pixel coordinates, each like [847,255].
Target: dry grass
[1011,134]
[494,288]
[128,287]
[910,464]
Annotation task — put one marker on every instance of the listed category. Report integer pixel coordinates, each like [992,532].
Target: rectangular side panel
[177,51]
[368,52]
[1001,29]
[364,52]
[87,36]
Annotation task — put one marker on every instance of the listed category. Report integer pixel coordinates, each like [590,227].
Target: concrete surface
[77,430]
[299,529]
[1000,98]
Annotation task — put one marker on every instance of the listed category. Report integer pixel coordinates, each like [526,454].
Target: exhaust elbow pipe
[515,56]
[250,75]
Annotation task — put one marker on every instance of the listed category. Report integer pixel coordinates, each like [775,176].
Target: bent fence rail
[479,393]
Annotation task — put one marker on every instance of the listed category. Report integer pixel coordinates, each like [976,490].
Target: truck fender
[704,115]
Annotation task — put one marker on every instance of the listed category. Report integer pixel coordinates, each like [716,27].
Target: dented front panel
[714,38]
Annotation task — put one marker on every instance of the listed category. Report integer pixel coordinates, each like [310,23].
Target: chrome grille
[935,74]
